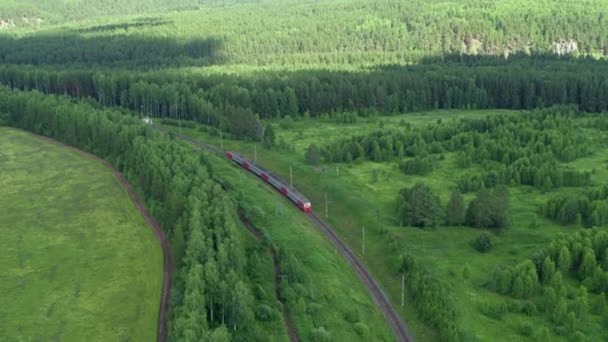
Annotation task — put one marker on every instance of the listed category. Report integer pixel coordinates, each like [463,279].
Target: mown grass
[363,194]
[78,260]
[332,297]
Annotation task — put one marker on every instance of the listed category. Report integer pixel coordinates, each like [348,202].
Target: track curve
[380,298]
[161,334]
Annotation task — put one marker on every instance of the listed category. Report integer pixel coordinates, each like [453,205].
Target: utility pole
[363,240]
[221,140]
[290,176]
[179,121]
[326,208]
[402,289]
[337,170]
[255,153]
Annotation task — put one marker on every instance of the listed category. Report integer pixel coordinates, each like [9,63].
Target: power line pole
[326,208]
[290,176]
[179,120]
[402,289]
[363,240]
[255,153]
[221,140]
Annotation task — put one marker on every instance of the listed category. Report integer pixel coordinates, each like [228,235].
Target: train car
[287,191]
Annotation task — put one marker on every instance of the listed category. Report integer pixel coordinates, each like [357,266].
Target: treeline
[544,280]
[418,206]
[229,101]
[358,31]
[522,149]
[589,209]
[432,302]
[25,12]
[209,298]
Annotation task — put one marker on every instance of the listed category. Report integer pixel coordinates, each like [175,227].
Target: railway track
[380,298]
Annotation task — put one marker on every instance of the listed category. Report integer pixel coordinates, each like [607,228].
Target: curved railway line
[380,298]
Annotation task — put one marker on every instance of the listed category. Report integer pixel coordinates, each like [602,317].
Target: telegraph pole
[255,153]
[326,208]
[221,140]
[179,121]
[402,289]
[290,176]
[363,241]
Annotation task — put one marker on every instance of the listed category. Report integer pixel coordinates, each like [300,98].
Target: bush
[526,329]
[320,335]
[352,315]
[482,243]
[361,329]
[494,311]
[265,313]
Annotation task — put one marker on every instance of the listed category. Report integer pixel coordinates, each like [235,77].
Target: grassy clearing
[78,260]
[331,298]
[363,193]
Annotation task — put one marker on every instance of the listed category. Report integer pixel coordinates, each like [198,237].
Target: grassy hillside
[78,259]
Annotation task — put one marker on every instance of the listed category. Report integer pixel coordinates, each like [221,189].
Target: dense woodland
[524,149]
[317,32]
[36,13]
[209,298]
[545,281]
[237,103]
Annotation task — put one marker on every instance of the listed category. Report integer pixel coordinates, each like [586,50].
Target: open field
[328,296]
[79,261]
[363,194]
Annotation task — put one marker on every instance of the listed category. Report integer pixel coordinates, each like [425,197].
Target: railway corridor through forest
[380,298]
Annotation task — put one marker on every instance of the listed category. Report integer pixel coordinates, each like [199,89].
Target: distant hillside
[32,13]
[289,32]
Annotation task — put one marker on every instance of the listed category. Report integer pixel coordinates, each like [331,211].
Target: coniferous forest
[457,147]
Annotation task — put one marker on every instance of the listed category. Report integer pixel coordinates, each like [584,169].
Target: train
[298,199]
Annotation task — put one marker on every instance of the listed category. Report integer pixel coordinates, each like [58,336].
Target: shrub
[265,313]
[482,243]
[361,329]
[320,335]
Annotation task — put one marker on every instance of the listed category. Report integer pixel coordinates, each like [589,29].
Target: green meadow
[79,262]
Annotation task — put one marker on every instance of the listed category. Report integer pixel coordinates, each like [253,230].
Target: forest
[195,211]
[268,73]
[236,104]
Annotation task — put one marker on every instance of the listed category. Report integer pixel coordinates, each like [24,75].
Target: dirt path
[160,235]
[291,331]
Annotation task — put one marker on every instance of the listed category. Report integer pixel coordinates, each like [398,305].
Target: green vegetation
[322,292]
[209,291]
[363,192]
[78,259]
[322,87]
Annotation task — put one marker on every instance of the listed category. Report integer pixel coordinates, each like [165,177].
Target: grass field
[363,194]
[332,298]
[78,261]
